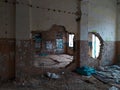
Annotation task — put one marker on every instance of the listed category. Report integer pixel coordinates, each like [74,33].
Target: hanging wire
[32,6]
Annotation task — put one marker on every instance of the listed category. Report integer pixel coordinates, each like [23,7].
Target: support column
[77,39]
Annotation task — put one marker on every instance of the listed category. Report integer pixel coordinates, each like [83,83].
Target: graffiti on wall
[49,45]
[59,43]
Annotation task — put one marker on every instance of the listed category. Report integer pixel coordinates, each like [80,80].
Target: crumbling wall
[24,57]
[48,40]
[100,17]
[107,55]
[45,42]
[56,32]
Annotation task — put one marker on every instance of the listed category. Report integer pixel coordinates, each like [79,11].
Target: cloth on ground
[109,74]
[85,70]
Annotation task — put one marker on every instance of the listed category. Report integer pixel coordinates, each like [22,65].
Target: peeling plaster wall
[60,12]
[98,16]
[24,58]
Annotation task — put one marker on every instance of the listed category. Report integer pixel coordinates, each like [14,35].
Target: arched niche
[95,44]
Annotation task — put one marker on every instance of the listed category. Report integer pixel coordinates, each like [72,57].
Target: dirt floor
[67,81]
[53,61]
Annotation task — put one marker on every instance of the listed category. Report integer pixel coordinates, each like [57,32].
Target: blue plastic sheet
[85,70]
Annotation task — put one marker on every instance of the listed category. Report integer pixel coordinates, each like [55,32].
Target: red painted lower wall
[7,58]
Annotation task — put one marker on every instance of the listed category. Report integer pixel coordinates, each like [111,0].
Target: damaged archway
[95,46]
[76,59]
[53,48]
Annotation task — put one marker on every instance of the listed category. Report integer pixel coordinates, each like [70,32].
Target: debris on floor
[109,75]
[43,54]
[85,70]
[53,75]
[67,81]
[113,88]
[52,61]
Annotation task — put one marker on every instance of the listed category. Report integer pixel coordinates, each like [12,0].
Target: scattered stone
[53,75]
[113,88]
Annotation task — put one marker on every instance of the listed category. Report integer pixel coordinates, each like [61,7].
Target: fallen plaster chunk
[113,88]
[110,74]
[53,75]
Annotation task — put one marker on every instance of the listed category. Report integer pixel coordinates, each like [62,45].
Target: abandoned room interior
[60,45]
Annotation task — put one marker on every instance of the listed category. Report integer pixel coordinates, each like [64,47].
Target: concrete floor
[67,81]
